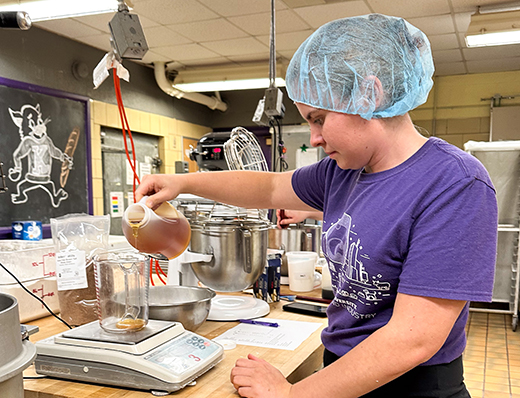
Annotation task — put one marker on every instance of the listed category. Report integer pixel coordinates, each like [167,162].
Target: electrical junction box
[128,35]
[273,106]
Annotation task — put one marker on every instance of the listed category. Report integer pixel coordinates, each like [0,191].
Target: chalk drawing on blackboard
[38,147]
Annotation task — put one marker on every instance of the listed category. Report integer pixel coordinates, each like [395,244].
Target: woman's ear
[374,90]
[369,97]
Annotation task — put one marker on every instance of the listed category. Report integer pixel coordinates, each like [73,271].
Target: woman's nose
[316,138]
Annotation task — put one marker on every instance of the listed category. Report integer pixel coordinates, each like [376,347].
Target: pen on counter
[261,323]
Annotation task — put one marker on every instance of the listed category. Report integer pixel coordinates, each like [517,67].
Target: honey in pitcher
[164,230]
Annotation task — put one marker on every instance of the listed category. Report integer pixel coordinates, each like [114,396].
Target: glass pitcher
[122,284]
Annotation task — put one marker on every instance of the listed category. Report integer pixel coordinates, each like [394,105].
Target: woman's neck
[398,140]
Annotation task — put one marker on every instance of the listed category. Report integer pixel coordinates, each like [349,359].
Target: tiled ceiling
[194,33]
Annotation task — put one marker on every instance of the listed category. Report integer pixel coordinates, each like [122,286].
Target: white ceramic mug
[301,267]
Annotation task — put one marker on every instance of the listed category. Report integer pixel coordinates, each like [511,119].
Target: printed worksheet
[287,336]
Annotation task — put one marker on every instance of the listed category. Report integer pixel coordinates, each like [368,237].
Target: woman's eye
[318,122]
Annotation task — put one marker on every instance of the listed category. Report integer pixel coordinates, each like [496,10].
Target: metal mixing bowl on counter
[185,304]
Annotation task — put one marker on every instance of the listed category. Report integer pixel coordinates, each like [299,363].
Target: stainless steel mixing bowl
[185,304]
[239,250]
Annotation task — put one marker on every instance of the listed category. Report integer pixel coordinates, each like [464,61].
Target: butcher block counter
[295,365]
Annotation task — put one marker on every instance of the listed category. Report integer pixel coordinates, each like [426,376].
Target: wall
[43,58]
[458,107]
[169,130]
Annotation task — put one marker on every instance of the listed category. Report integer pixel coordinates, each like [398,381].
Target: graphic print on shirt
[354,288]
[39,149]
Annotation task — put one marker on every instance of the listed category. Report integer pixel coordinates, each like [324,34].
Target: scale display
[177,358]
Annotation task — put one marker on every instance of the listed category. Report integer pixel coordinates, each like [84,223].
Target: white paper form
[287,336]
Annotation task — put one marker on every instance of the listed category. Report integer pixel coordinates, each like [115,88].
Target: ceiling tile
[287,41]
[472,5]
[316,16]
[152,56]
[447,56]
[303,3]
[462,21]
[68,27]
[191,32]
[250,59]
[286,54]
[186,52]
[260,24]
[232,47]
[492,53]
[99,22]
[208,62]
[101,41]
[493,65]
[160,36]
[210,30]
[410,8]
[437,25]
[444,42]
[230,8]
[451,68]
[168,12]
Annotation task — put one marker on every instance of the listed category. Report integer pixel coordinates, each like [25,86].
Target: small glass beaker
[122,284]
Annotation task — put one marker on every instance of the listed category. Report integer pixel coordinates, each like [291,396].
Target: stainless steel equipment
[243,152]
[185,304]
[16,352]
[294,238]
[239,250]
[162,357]
[502,161]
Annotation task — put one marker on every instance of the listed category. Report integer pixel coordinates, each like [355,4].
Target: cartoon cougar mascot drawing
[39,149]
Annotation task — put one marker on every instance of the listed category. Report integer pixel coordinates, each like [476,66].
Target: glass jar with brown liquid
[122,283]
[163,230]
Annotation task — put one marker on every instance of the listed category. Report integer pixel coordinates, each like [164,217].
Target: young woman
[409,223]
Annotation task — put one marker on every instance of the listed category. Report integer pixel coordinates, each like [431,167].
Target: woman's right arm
[249,189]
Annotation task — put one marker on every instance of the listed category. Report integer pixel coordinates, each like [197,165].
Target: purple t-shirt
[427,227]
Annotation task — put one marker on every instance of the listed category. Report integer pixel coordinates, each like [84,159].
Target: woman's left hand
[255,378]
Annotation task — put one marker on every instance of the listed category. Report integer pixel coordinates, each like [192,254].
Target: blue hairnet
[334,68]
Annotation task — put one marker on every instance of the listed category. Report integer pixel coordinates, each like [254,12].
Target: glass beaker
[122,283]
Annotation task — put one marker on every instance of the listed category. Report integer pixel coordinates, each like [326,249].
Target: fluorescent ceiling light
[226,78]
[228,85]
[494,29]
[44,10]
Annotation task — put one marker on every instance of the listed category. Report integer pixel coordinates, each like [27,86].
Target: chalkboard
[45,151]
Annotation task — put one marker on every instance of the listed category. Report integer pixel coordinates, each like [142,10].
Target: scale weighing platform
[163,357]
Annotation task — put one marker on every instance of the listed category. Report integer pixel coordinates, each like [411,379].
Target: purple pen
[261,323]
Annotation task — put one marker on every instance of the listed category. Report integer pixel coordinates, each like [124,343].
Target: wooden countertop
[295,365]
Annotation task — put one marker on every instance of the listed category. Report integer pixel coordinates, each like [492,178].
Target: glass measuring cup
[122,284]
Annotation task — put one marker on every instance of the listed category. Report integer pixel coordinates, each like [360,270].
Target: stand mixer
[228,247]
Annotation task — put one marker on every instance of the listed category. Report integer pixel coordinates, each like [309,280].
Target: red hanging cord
[158,267]
[126,128]
[132,161]
[151,272]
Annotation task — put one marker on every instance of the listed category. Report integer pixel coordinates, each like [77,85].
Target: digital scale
[163,357]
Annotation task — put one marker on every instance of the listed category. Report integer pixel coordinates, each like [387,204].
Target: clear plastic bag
[83,234]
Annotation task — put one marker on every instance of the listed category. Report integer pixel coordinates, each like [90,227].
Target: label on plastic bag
[71,272]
